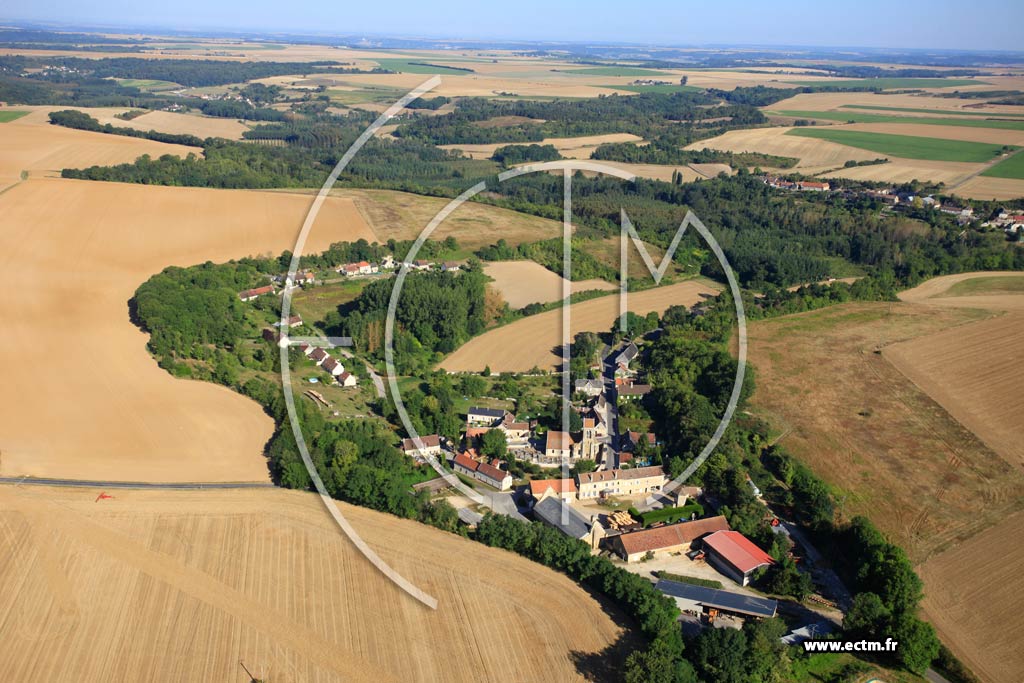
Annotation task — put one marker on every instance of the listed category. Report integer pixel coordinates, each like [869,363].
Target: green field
[1013,167]
[366,95]
[616,71]
[662,89]
[10,115]
[144,84]
[891,83]
[858,117]
[907,146]
[407,66]
[997,284]
[937,112]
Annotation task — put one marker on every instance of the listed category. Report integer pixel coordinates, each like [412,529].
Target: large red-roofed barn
[733,554]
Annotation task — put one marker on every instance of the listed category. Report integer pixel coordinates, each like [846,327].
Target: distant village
[1009,221]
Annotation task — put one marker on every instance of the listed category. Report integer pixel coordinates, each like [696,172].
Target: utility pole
[252,679]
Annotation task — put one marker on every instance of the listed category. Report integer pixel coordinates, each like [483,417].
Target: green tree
[918,644]
[493,444]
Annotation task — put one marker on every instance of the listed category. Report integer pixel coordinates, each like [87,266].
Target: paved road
[85,483]
[378,383]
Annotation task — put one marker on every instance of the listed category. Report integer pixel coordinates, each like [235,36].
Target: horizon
[989,28]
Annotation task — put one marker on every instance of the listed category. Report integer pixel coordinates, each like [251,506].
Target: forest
[72,118]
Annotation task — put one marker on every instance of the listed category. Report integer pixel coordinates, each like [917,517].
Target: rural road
[85,483]
[378,383]
[984,168]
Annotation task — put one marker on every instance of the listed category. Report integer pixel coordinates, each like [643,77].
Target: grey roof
[589,384]
[467,516]
[489,412]
[628,354]
[549,511]
[816,630]
[711,597]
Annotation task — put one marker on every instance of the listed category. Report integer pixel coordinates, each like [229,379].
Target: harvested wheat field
[527,282]
[829,101]
[973,597]
[186,124]
[182,586]
[403,216]
[988,187]
[899,170]
[996,136]
[811,152]
[653,171]
[976,373]
[79,250]
[536,341]
[572,148]
[896,454]
[31,144]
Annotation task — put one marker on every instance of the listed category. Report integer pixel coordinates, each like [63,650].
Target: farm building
[619,482]
[431,445]
[631,392]
[590,387]
[485,417]
[560,445]
[558,488]
[481,471]
[318,355]
[347,379]
[250,294]
[627,355]
[560,515]
[671,538]
[711,601]
[733,554]
[332,366]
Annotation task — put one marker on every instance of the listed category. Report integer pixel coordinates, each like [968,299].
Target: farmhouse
[590,387]
[516,433]
[812,186]
[619,482]
[306,278]
[349,269]
[560,445]
[671,538]
[347,379]
[250,294]
[481,471]
[627,355]
[332,366]
[733,554]
[318,355]
[431,445]
[485,417]
[559,488]
[711,601]
[451,266]
[294,321]
[632,392]
[560,515]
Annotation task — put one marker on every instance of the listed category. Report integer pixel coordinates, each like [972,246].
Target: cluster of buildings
[329,364]
[799,185]
[1010,222]
[388,263]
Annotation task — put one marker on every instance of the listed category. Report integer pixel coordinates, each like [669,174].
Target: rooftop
[671,535]
[621,475]
[711,597]
[539,486]
[487,412]
[551,511]
[738,550]
[559,441]
[429,441]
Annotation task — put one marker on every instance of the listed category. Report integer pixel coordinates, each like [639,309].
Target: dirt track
[180,586]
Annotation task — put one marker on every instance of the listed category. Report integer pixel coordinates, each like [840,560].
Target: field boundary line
[92,483]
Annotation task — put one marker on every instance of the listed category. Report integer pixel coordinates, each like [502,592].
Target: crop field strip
[907,146]
[935,112]
[856,117]
[1012,167]
[891,83]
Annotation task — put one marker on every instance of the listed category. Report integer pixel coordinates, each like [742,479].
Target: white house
[332,366]
[431,445]
[347,379]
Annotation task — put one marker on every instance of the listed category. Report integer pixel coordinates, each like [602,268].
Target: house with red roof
[735,555]
[482,471]
[562,488]
[250,294]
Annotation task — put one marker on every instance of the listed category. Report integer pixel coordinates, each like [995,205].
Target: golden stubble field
[535,341]
[572,148]
[527,282]
[31,144]
[909,410]
[83,398]
[181,586]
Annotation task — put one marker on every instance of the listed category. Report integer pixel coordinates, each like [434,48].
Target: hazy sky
[974,24]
